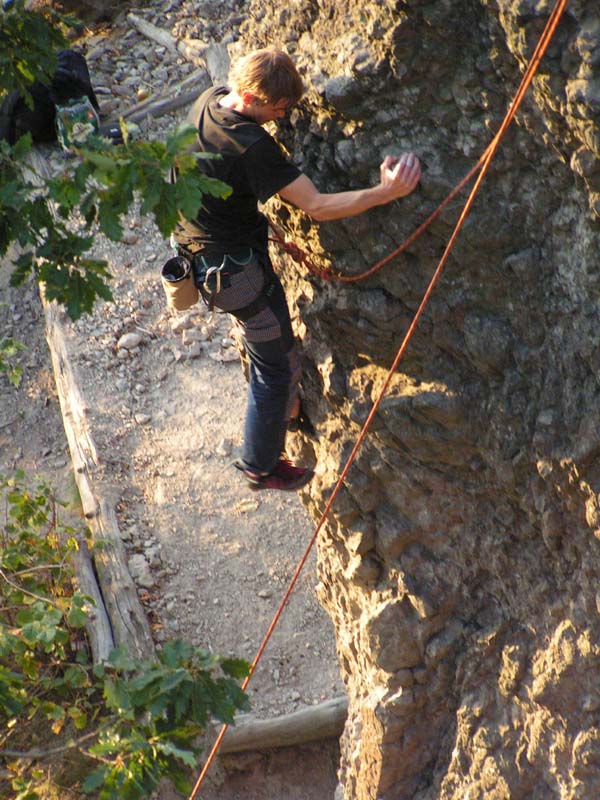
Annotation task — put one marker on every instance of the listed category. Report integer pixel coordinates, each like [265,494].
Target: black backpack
[70,82]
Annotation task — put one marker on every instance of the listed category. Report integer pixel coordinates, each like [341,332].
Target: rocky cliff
[461,563]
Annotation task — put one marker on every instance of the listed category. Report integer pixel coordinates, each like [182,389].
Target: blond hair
[269,74]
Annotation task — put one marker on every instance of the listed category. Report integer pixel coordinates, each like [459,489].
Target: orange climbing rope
[483,164]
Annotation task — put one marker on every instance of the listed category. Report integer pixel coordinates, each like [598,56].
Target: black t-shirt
[251,162]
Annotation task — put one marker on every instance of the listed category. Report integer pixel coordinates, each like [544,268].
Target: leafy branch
[28,46]
[37,754]
[14,585]
[53,221]
[132,721]
[101,186]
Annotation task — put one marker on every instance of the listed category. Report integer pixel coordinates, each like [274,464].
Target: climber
[228,242]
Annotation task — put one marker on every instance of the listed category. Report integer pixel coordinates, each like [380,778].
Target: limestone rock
[129,341]
[463,550]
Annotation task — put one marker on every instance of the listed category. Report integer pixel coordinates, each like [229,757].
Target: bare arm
[398,178]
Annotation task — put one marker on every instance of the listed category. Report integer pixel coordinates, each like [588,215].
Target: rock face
[461,563]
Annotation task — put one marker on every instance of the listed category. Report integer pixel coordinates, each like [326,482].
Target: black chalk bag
[178,282]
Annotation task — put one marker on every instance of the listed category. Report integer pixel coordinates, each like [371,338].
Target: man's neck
[234,102]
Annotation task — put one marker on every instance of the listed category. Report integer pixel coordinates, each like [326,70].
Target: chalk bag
[178,282]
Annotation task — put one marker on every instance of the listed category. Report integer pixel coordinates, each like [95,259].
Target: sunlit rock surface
[461,564]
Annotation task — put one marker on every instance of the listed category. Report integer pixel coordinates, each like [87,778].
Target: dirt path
[212,559]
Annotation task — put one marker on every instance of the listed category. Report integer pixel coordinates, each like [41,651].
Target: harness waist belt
[254,308]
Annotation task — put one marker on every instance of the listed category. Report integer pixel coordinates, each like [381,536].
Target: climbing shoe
[285,477]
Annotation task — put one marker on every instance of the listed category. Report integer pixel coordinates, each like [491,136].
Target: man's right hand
[399,176]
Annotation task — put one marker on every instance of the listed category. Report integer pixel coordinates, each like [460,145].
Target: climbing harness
[211,279]
[483,164]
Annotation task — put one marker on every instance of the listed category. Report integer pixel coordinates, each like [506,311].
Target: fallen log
[163,105]
[119,616]
[98,627]
[178,95]
[116,595]
[213,57]
[315,723]
[217,62]
[191,49]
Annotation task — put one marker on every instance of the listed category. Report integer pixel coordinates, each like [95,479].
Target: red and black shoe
[285,477]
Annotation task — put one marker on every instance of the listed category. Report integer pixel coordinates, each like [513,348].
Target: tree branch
[53,751]
[30,594]
[40,568]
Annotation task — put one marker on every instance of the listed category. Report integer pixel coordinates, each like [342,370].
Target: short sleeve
[267,169]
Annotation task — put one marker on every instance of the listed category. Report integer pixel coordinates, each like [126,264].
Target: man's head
[269,76]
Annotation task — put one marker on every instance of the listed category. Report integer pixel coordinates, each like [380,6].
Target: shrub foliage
[132,722]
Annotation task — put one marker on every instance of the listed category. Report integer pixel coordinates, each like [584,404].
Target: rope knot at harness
[298,255]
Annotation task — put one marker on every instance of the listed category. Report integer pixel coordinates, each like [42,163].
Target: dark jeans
[271,378]
[273,386]
[269,342]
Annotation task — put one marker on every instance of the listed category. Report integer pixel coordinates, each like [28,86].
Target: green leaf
[27,615]
[79,717]
[26,793]
[52,711]
[99,671]
[109,218]
[235,667]
[183,700]
[95,780]
[158,705]
[184,137]
[104,163]
[188,194]
[76,677]
[145,679]
[64,192]
[166,213]
[22,147]
[23,267]
[169,749]
[116,696]
[152,192]
[174,680]
[77,617]
[214,187]
[176,652]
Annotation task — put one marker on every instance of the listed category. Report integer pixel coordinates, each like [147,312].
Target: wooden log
[217,62]
[151,31]
[125,616]
[120,617]
[215,57]
[217,67]
[191,49]
[324,721]
[163,105]
[99,629]
[181,93]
